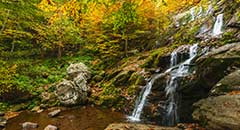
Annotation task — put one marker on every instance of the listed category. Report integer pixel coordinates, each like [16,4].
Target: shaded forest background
[40,38]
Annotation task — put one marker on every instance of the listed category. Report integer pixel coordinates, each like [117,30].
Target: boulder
[51,127]
[54,113]
[219,113]
[131,126]
[74,90]
[227,84]
[213,66]
[29,125]
[78,69]
[69,93]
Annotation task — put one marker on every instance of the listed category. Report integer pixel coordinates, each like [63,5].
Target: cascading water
[217,29]
[209,10]
[172,84]
[192,12]
[171,117]
[200,12]
[142,99]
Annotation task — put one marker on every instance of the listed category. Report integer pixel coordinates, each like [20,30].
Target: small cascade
[209,10]
[171,117]
[200,12]
[192,12]
[135,117]
[217,29]
[173,58]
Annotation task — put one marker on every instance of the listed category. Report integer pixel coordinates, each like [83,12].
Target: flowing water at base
[84,118]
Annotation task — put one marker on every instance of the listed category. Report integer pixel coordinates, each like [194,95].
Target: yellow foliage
[47,5]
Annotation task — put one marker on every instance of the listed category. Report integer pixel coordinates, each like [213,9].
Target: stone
[29,125]
[227,84]
[131,126]
[54,113]
[51,127]
[72,92]
[37,109]
[213,66]
[78,68]
[219,113]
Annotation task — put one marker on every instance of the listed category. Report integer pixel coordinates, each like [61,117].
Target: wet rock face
[75,90]
[219,113]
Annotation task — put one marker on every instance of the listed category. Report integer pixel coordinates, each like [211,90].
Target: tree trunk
[59,52]
[126,46]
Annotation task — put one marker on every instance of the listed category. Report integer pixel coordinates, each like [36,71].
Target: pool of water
[81,118]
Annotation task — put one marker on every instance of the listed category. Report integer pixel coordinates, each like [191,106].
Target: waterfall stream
[217,29]
[171,117]
[175,71]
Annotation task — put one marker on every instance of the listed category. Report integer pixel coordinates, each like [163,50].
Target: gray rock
[50,127]
[75,90]
[54,113]
[72,92]
[229,83]
[29,125]
[219,113]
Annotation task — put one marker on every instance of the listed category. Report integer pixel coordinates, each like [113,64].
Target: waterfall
[200,12]
[142,99]
[172,84]
[173,58]
[210,10]
[217,29]
[192,12]
[171,117]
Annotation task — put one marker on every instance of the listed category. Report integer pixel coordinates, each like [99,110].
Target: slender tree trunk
[13,46]
[59,52]
[126,47]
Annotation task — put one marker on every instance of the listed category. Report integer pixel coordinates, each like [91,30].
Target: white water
[142,99]
[210,10]
[200,12]
[172,84]
[217,29]
[173,58]
[192,12]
